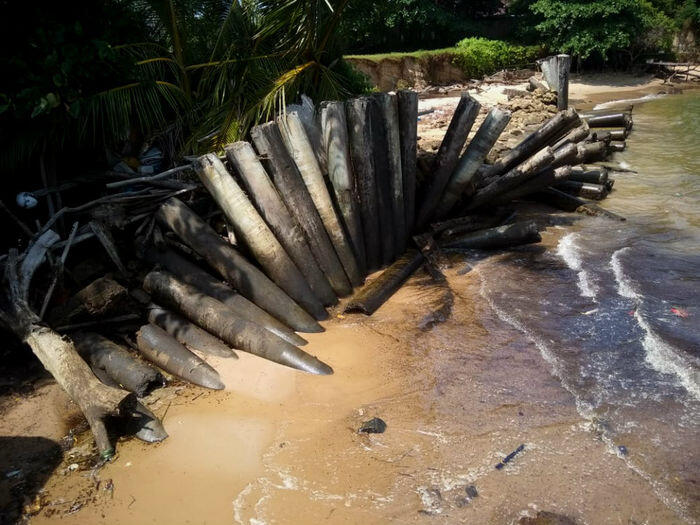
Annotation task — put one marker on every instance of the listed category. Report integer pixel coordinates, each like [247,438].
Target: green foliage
[599,28]
[480,56]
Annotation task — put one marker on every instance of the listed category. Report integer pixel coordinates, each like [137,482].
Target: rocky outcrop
[391,73]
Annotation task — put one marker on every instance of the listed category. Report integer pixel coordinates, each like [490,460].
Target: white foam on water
[659,355]
[613,103]
[570,251]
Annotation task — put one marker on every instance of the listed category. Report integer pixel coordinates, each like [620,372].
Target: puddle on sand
[281,446]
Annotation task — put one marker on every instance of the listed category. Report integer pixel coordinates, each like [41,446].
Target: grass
[397,55]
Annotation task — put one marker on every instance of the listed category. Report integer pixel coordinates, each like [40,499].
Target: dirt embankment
[409,71]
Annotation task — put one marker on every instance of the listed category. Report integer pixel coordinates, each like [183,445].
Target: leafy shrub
[480,56]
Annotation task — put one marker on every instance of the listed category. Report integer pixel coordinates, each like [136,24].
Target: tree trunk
[611,120]
[264,195]
[408,131]
[280,165]
[462,179]
[563,67]
[340,172]
[233,267]
[539,182]
[159,347]
[505,236]
[300,149]
[214,317]
[190,273]
[447,156]
[361,147]
[576,135]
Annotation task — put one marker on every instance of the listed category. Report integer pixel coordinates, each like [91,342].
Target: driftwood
[301,151]
[268,202]
[337,145]
[448,155]
[283,170]
[506,236]
[566,202]
[187,333]
[583,189]
[159,347]
[233,267]
[408,131]
[539,182]
[576,135]
[611,120]
[377,292]
[472,222]
[215,318]
[115,366]
[382,178]
[190,273]
[250,227]
[360,131]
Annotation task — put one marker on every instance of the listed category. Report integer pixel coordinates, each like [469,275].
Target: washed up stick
[115,366]
[566,202]
[463,179]
[389,106]
[189,334]
[535,141]
[190,273]
[299,147]
[250,227]
[162,349]
[377,292]
[382,178]
[408,131]
[218,320]
[361,147]
[281,167]
[448,155]
[513,178]
[268,202]
[507,236]
[583,189]
[336,143]
[233,267]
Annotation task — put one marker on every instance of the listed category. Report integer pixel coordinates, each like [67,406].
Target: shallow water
[614,308]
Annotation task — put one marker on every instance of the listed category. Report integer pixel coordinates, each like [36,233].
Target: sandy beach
[281,446]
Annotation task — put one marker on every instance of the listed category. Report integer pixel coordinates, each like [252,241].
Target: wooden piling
[408,131]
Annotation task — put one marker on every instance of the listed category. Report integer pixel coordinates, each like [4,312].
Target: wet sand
[280,446]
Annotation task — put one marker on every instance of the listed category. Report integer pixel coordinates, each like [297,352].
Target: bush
[480,56]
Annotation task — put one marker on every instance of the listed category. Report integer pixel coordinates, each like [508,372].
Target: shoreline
[455,405]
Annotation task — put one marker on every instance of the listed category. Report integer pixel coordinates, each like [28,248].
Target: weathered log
[214,317]
[563,67]
[145,425]
[337,146]
[361,147]
[448,155]
[627,108]
[611,120]
[268,202]
[539,182]
[576,135]
[611,134]
[162,349]
[233,267]
[280,165]
[592,152]
[389,106]
[190,273]
[463,179]
[513,178]
[546,134]
[382,178]
[408,131]
[250,227]
[507,236]
[595,176]
[377,292]
[471,222]
[617,146]
[187,333]
[583,189]
[609,185]
[566,202]
[534,83]
[115,366]
[300,149]
[100,298]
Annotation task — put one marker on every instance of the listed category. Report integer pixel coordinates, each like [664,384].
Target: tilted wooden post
[408,130]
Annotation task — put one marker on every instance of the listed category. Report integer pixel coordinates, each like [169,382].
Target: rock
[471,491]
[373,426]
[547,518]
